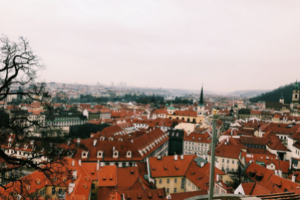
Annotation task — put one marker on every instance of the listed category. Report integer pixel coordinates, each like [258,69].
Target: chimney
[79,162]
[293,178]
[95,142]
[182,157]
[78,141]
[114,148]
[228,140]
[74,174]
[175,157]
[73,163]
[276,172]
[102,164]
[217,177]
[280,173]
[97,165]
[202,164]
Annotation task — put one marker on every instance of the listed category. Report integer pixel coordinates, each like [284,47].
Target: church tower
[281,100]
[295,98]
[201,107]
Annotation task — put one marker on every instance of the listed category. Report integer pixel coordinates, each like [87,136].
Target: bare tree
[19,133]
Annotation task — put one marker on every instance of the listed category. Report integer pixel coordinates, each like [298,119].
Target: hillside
[247,93]
[274,95]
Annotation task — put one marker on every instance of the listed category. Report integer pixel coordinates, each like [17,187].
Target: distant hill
[247,93]
[274,95]
[175,91]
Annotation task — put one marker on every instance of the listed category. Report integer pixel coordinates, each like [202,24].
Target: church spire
[201,102]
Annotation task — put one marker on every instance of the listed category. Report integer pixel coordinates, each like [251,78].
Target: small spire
[201,102]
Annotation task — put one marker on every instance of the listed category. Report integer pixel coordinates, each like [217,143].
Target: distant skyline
[226,45]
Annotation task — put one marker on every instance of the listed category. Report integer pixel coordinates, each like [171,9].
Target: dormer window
[102,138]
[115,154]
[120,139]
[128,154]
[84,154]
[100,154]
[110,139]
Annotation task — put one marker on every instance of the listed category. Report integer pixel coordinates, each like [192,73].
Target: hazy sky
[226,45]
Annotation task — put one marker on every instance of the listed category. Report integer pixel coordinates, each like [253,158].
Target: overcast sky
[226,45]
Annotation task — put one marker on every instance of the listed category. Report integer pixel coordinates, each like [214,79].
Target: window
[175,180]
[228,161]
[175,190]
[168,190]
[223,160]
[182,183]
[232,161]
[93,186]
[53,191]
[160,181]
[168,180]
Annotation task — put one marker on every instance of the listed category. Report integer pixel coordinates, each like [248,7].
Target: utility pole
[212,160]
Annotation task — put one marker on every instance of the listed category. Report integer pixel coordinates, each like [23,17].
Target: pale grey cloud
[227,45]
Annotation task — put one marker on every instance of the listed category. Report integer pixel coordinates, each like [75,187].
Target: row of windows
[228,161]
[195,148]
[175,181]
[195,143]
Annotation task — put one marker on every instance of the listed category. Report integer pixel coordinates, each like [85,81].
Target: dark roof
[244,111]
[274,105]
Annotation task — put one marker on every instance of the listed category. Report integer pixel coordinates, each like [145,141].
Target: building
[122,149]
[227,155]
[176,141]
[197,143]
[189,116]
[184,173]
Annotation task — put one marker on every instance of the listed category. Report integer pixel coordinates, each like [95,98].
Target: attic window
[128,153]
[165,167]
[100,154]
[37,181]
[139,195]
[102,138]
[153,167]
[193,138]
[111,139]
